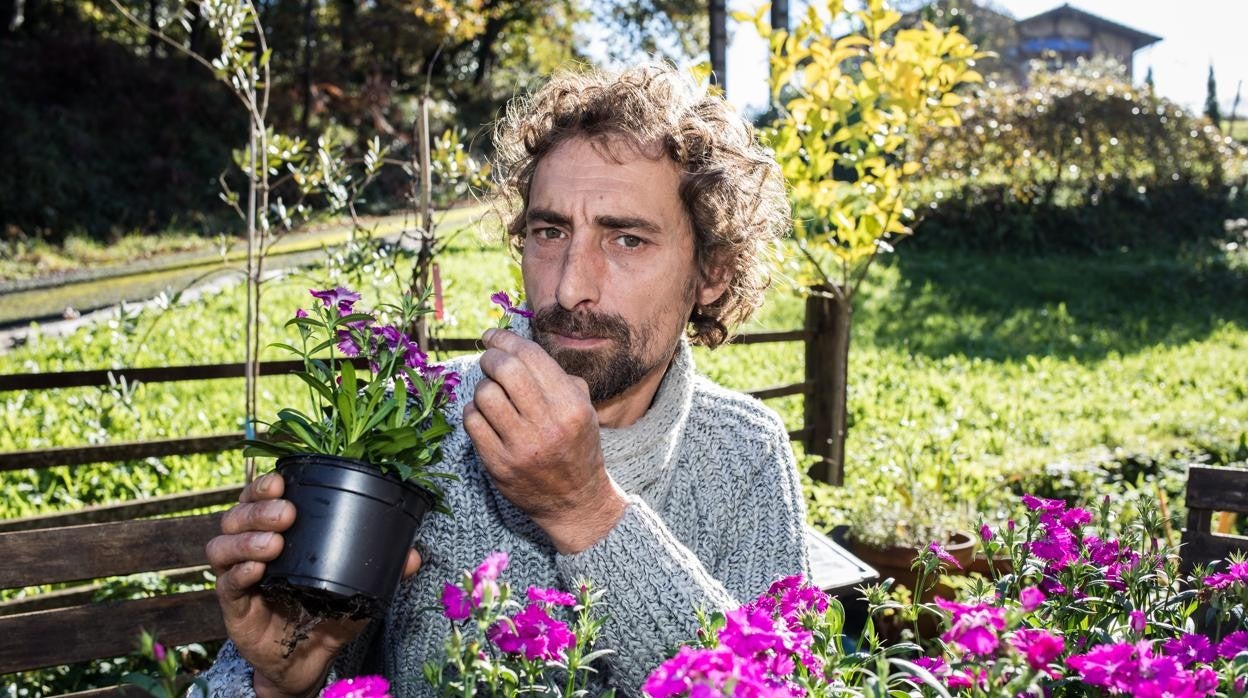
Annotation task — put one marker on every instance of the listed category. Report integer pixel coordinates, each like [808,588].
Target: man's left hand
[536,431]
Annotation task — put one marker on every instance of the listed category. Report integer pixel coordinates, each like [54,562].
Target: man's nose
[581,276]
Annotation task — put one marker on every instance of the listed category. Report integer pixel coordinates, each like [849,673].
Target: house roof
[1137,38]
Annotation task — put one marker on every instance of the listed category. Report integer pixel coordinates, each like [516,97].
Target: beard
[608,372]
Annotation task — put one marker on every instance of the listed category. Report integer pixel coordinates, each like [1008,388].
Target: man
[587,447]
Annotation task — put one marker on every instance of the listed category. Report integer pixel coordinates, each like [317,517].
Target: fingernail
[262,540]
[489,334]
[273,511]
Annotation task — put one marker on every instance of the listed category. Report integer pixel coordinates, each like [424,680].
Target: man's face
[608,264]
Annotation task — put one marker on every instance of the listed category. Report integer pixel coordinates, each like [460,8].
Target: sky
[1194,34]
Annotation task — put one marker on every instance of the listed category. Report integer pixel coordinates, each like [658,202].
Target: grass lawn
[968,373]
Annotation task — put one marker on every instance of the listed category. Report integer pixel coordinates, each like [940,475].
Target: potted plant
[357,464]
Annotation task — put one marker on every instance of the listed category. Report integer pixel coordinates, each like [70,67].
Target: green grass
[967,373]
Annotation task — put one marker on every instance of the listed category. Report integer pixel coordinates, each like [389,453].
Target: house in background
[1062,35]
[1068,33]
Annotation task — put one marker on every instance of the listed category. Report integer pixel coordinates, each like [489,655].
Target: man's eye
[632,242]
[547,233]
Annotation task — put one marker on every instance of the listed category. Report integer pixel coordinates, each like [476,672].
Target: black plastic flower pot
[345,552]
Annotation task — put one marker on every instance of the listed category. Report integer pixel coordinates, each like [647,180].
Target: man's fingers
[516,376]
[482,434]
[493,403]
[526,350]
[224,552]
[413,563]
[236,587]
[268,515]
[267,486]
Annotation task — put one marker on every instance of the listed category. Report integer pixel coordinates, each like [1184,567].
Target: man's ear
[713,285]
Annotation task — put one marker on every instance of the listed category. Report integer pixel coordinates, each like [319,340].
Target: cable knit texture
[715,515]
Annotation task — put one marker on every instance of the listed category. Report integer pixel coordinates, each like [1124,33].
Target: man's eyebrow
[629,223]
[547,215]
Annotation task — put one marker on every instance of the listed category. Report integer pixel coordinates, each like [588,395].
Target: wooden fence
[117,539]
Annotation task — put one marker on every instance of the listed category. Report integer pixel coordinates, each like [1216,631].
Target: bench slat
[1219,489]
[124,511]
[74,553]
[111,629]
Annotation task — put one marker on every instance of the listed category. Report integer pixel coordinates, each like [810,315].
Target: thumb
[413,563]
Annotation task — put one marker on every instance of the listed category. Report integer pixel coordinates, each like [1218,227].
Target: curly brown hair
[731,187]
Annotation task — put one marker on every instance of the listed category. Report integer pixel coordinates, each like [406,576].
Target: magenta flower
[1030,598]
[1237,573]
[985,533]
[554,597]
[943,555]
[708,673]
[533,634]
[1111,666]
[359,687]
[485,577]
[456,603]
[343,298]
[1233,644]
[1137,620]
[1043,505]
[300,313]
[503,300]
[158,651]
[1190,648]
[1058,546]
[1039,647]
[346,344]
[973,627]
[1076,517]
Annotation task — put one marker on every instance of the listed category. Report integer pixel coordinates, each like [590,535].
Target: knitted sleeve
[654,583]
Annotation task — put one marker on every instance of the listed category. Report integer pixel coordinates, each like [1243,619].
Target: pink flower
[943,555]
[1044,505]
[503,300]
[985,533]
[1190,648]
[343,298]
[555,597]
[708,673]
[1237,573]
[158,651]
[300,313]
[1058,546]
[1134,669]
[973,627]
[1039,647]
[1233,644]
[1030,598]
[485,577]
[1076,517]
[1137,620]
[359,687]
[456,603]
[533,634]
[347,345]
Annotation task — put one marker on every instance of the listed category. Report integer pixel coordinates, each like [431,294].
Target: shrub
[1078,159]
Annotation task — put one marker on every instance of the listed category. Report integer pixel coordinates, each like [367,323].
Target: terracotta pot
[895,561]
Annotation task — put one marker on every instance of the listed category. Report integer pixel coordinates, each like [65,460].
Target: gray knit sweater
[715,515]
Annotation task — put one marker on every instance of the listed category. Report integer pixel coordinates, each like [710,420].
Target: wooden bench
[66,626]
[1212,489]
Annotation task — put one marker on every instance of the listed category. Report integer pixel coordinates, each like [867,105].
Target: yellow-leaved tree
[852,89]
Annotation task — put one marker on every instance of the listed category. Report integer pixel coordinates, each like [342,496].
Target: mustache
[556,319]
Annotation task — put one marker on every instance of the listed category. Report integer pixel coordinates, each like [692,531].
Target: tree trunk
[827,371]
[309,29]
[153,25]
[719,44]
[196,38]
[346,37]
[779,15]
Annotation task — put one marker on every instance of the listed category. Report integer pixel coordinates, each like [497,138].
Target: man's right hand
[251,536]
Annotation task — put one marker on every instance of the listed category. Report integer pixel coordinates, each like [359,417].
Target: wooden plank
[65,636]
[75,553]
[781,391]
[799,434]
[128,450]
[167,374]
[125,511]
[1206,547]
[110,692]
[769,337]
[1218,489]
[80,594]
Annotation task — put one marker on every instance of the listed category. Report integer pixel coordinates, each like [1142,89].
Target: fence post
[821,375]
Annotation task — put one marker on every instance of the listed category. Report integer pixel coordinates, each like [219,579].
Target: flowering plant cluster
[503,646]
[373,393]
[1069,610]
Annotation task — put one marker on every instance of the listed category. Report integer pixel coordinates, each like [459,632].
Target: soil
[306,608]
